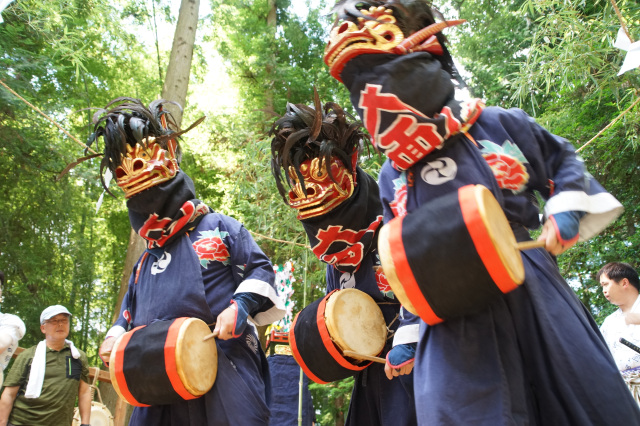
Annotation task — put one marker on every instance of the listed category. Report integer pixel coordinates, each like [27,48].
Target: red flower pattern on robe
[211,247]
[399,204]
[383,284]
[507,164]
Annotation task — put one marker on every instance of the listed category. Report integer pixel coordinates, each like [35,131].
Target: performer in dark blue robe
[198,263]
[285,403]
[341,211]
[531,356]
[375,399]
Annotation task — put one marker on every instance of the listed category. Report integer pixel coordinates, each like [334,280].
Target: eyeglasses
[61,321]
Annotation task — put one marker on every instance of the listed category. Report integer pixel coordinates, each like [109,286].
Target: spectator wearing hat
[43,383]
[12,329]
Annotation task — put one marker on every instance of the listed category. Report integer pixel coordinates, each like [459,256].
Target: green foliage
[332,400]
[54,248]
[491,45]
[62,57]
[273,62]
[572,50]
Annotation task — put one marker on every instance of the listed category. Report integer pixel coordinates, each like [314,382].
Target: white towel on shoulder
[39,364]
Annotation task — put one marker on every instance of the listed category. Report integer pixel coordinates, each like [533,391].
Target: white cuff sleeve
[115,331]
[601,208]
[406,334]
[271,315]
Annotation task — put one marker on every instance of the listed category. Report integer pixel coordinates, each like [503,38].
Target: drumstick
[210,336]
[365,357]
[526,245]
[629,344]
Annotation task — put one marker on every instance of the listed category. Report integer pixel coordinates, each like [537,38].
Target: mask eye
[120,173]
[344,27]
[138,164]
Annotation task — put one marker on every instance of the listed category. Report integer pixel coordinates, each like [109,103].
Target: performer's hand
[105,350]
[400,360]
[225,323]
[560,232]
[548,235]
[394,372]
[632,318]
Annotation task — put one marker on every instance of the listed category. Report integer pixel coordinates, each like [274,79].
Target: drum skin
[452,256]
[100,415]
[164,362]
[355,320]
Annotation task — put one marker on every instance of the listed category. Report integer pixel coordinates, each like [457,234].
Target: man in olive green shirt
[41,388]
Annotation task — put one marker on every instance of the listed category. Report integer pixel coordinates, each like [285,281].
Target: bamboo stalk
[624,26]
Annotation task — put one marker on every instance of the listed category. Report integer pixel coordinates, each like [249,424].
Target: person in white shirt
[620,286]
[12,329]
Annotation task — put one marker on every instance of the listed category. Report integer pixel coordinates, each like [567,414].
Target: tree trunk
[339,414]
[176,82]
[174,89]
[271,23]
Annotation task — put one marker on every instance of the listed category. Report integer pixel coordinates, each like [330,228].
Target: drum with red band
[164,362]
[343,320]
[452,256]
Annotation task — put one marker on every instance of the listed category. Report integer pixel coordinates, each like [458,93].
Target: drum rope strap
[96,391]
[391,333]
[93,386]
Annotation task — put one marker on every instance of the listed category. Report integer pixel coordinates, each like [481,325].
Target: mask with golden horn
[377,32]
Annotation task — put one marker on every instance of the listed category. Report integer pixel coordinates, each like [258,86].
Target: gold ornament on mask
[146,165]
[322,193]
[380,34]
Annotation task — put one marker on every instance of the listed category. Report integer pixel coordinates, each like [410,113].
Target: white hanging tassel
[632,59]
[107,179]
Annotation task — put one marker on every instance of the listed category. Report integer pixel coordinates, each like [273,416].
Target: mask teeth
[375,12]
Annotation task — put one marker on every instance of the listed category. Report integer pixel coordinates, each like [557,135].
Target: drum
[100,415]
[343,320]
[632,379]
[452,256]
[164,362]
